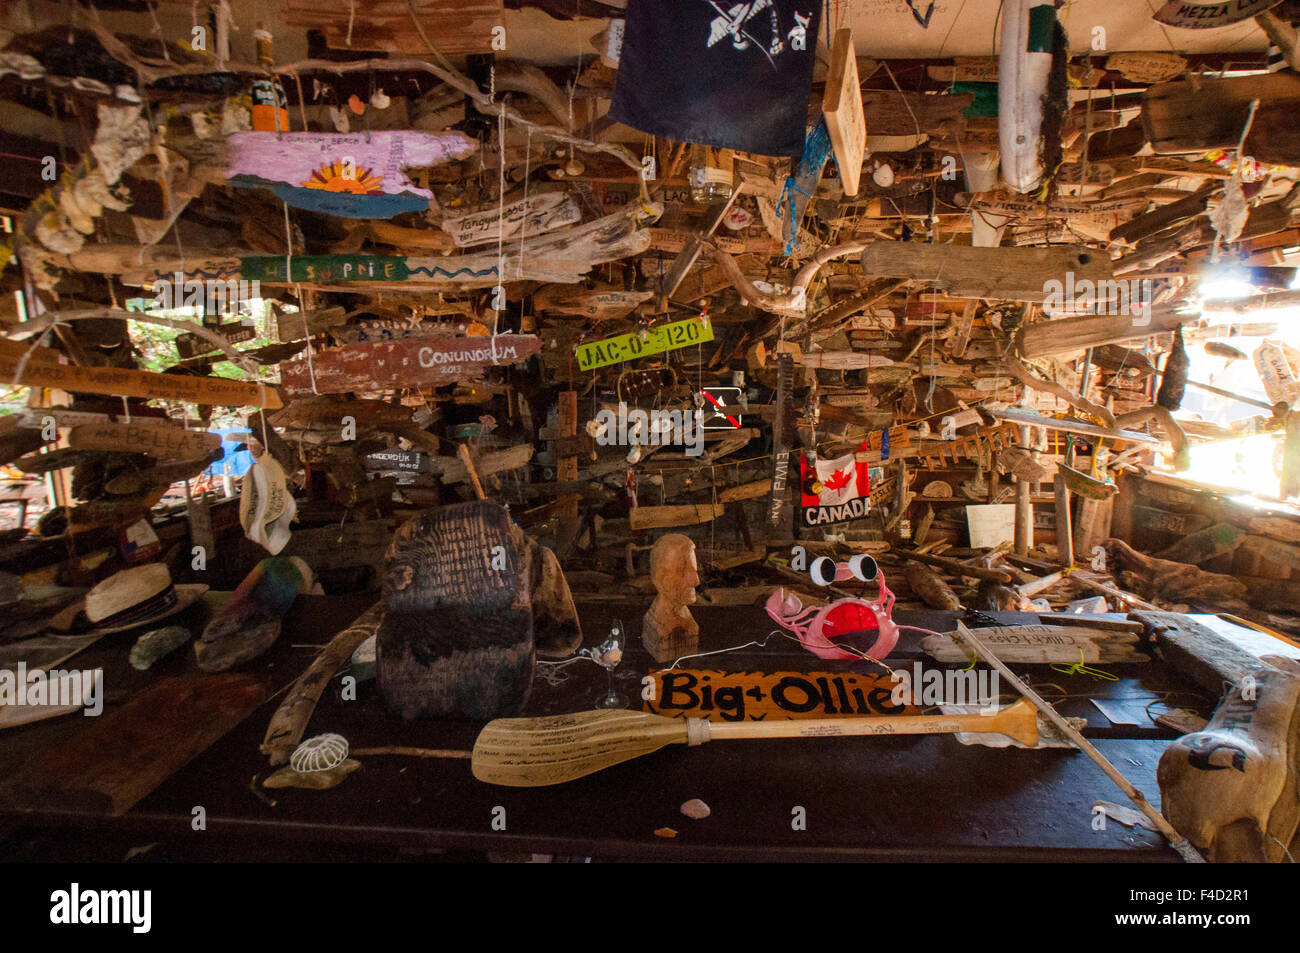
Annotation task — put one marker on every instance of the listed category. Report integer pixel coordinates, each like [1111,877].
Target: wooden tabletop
[878,798]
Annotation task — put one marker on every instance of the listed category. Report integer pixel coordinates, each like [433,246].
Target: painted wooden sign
[563,256]
[535,215]
[419,362]
[1205,16]
[1043,643]
[630,347]
[603,302]
[189,344]
[756,696]
[405,461]
[43,370]
[1275,371]
[842,106]
[167,443]
[354,176]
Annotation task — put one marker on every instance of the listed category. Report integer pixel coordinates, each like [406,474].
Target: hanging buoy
[1029,29]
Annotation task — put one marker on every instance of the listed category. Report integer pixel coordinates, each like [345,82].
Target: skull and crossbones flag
[719,73]
[833,491]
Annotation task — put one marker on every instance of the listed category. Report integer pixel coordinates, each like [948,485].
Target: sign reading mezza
[414,362]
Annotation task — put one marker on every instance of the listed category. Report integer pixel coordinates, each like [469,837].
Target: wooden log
[453,470]
[1018,274]
[932,590]
[1070,335]
[303,324]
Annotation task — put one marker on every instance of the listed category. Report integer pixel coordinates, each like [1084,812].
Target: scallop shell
[319,754]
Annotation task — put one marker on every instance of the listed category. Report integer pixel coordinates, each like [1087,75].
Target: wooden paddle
[535,752]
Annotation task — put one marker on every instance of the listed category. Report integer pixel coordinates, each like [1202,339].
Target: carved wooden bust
[668,631]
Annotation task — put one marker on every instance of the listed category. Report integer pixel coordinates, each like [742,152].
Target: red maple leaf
[837,480]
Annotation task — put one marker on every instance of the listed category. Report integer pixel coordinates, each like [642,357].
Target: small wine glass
[608,655]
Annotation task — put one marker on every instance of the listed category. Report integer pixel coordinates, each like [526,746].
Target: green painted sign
[325,268]
[630,347]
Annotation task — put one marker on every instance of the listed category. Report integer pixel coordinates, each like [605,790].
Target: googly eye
[822,570]
[863,567]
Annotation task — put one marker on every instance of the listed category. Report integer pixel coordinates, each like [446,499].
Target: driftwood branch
[795,301]
[1136,418]
[1017,369]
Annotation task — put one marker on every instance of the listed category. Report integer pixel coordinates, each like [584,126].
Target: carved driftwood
[668,631]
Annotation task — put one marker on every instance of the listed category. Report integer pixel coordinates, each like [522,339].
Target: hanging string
[302,304]
[499,292]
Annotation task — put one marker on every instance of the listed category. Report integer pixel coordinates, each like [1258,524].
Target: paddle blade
[535,752]
[1019,722]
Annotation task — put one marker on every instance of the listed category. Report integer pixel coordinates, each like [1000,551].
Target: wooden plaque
[842,105]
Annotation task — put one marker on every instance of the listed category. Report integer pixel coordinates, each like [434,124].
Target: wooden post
[566,468]
[1024,539]
[1291,457]
[1064,529]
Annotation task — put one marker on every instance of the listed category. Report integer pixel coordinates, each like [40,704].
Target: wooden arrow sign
[166,443]
[416,362]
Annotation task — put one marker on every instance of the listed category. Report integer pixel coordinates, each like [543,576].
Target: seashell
[696,809]
[380,100]
[156,645]
[319,753]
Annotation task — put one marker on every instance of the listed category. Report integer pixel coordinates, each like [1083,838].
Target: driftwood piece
[1174,581]
[668,631]
[1043,644]
[289,722]
[1233,788]
[932,590]
[1207,544]
[1016,274]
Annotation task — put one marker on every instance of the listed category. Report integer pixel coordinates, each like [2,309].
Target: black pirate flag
[719,73]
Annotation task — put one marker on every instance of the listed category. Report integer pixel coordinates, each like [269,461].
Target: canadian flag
[833,491]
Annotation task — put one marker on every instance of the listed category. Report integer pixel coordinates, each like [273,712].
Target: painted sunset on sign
[351,176]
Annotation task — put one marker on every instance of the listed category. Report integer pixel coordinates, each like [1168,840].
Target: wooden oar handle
[1018,721]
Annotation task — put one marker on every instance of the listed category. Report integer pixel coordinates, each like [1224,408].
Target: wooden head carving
[1233,788]
[668,631]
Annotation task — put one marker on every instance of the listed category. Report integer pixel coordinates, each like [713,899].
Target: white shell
[319,754]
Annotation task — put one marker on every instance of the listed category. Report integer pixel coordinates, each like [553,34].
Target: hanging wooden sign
[1019,274]
[419,362]
[842,106]
[1206,16]
[42,370]
[563,256]
[603,302]
[756,696]
[630,347]
[189,344]
[535,215]
[167,443]
[354,176]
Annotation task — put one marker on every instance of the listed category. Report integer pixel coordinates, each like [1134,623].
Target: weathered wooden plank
[538,214]
[1018,274]
[1204,545]
[128,752]
[842,106]
[660,517]
[167,443]
[43,371]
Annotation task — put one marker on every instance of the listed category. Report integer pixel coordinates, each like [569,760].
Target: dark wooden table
[880,798]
